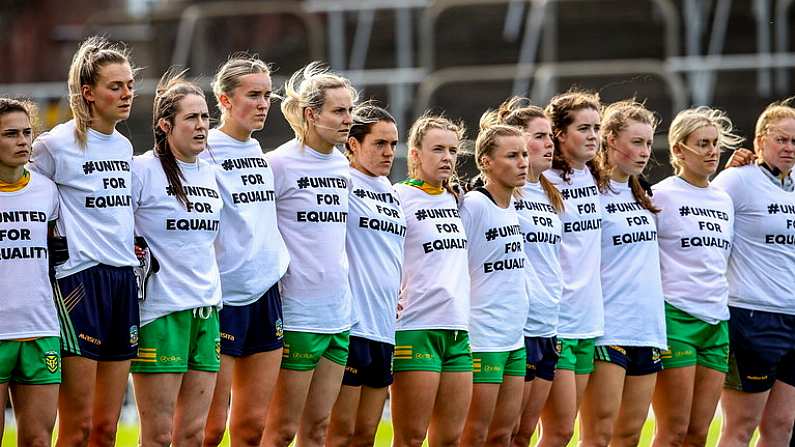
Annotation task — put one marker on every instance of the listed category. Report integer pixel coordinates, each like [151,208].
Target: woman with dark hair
[177,212]
[577,172]
[30,355]
[374,244]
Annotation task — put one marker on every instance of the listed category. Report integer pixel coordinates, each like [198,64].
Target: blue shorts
[542,357]
[253,328]
[761,350]
[369,363]
[636,360]
[98,311]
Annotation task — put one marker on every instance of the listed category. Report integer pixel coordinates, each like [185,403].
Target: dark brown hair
[560,112]
[171,90]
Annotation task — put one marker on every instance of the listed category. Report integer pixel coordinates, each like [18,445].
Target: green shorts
[436,350]
[576,354]
[490,367]
[695,342]
[180,341]
[303,350]
[31,362]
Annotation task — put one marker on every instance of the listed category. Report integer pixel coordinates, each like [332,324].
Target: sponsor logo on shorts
[51,360]
[530,366]
[351,370]
[619,349]
[279,326]
[133,335]
[90,339]
[226,336]
[559,346]
[492,368]
[758,378]
[655,355]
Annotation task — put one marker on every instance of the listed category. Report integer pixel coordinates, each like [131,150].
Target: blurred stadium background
[459,56]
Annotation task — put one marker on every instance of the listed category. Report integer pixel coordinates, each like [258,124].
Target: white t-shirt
[434,289]
[94,187]
[312,205]
[631,283]
[376,232]
[498,274]
[762,264]
[541,229]
[581,307]
[27,308]
[181,239]
[252,255]
[694,231]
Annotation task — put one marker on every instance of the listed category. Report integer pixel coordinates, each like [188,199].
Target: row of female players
[558,286]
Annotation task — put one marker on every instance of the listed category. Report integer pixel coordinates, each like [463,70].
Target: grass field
[128,435]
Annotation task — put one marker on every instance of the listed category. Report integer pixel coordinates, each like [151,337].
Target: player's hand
[741,157]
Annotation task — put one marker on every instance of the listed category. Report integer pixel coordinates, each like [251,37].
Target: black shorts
[253,328]
[369,363]
[98,311]
[636,360]
[542,357]
[761,350]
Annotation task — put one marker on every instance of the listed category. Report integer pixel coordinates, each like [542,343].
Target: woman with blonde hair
[499,285]
[694,231]
[538,205]
[311,184]
[251,254]
[433,361]
[619,392]
[95,289]
[760,386]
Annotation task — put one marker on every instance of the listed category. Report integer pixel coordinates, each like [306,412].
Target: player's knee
[213,436]
[162,438]
[696,438]
[739,432]
[340,438]
[522,438]
[247,432]
[103,433]
[316,432]
[475,438]
[191,438]
[776,427]
[363,439]
[499,437]
[413,438]
[77,435]
[559,435]
[281,436]
[39,439]
[625,439]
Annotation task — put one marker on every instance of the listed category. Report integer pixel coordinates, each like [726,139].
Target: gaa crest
[51,360]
